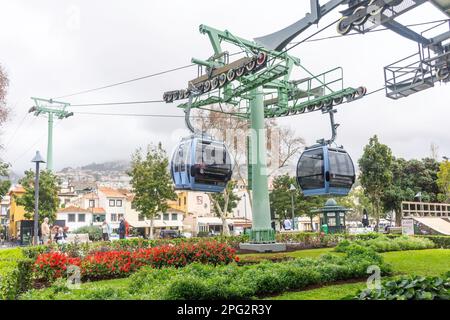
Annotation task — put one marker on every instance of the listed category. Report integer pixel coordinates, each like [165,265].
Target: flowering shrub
[53,265]
[116,264]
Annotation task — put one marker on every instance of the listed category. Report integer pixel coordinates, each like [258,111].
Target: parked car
[170,234]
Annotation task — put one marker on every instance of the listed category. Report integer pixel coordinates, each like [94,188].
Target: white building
[75,217]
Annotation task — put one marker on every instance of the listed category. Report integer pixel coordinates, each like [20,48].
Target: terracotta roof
[91,196]
[111,193]
[17,189]
[73,209]
[97,210]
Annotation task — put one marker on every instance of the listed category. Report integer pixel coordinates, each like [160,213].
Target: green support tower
[260,81]
[51,109]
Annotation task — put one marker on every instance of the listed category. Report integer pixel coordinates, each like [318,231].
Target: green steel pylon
[51,109]
[270,93]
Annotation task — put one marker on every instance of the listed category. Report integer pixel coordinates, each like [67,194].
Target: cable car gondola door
[311,172]
[341,172]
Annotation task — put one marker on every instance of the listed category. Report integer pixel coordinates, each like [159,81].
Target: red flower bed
[116,264]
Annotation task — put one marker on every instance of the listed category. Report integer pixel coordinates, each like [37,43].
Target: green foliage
[376,173]
[281,201]
[207,282]
[443,181]
[440,241]
[409,178]
[409,288]
[4,184]
[151,181]
[384,244]
[48,195]
[227,200]
[95,233]
[16,278]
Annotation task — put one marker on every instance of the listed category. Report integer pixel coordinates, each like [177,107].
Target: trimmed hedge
[15,278]
[384,244]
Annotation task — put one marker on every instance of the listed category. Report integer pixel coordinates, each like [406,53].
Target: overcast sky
[54,48]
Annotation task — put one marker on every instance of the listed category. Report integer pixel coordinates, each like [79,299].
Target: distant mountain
[121,165]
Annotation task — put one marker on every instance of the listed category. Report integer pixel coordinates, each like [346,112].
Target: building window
[99,218]
[118,203]
[185,200]
[71,217]
[179,202]
[82,217]
[91,203]
[141,217]
[174,216]
[158,217]
[120,215]
[166,217]
[112,203]
[113,217]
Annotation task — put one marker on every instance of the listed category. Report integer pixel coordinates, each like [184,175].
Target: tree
[443,181]
[281,200]
[376,173]
[4,83]
[5,184]
[48,195]
[224,203]
[409,178]
[151,182]
[357,201]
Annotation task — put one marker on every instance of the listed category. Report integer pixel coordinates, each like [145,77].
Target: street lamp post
[292,189]
[37,160]
[245,206]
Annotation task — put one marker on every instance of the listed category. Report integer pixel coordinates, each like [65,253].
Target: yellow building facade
[16,212]
[180,203]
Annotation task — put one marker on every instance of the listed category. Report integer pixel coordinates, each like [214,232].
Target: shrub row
[206,282]
[384,244]
[440,241]
[15,278]
[118,264]
[409,288]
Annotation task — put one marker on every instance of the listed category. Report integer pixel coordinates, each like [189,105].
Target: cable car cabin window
[212,163]
[311,170]
[341,170]
[178,157]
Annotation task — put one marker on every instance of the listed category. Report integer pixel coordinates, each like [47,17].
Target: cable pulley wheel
[231,75]
[206,86]
[262,57]
[222,79]
[250,66]
[214,83]
[363,12]
[240,71]
[343,27]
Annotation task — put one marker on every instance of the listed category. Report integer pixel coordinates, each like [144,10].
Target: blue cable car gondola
[200,163]
[324,170]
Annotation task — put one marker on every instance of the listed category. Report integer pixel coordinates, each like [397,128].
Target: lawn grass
[8,259]
[432,262]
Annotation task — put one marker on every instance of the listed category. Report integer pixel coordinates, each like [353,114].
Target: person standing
[122,229]
[106,231]
[45,232]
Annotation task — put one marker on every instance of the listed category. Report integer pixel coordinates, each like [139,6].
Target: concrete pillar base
[263,247]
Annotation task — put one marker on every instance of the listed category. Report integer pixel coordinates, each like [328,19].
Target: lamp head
[38,158]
